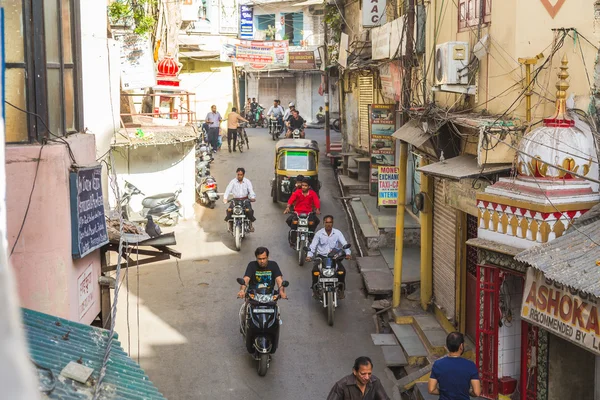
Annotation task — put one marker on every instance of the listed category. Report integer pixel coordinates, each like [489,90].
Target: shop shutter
[365,84]
[268,91]
[444,251]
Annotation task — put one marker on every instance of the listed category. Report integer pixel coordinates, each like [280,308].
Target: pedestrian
[454,377]
[361,384]
[232,126]
[213,119]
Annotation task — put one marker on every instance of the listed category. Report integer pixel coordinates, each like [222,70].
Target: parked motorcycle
[259,324]
[303,236]
[328,283]
[239,224]
[274,127]
[164,208]
[206,185]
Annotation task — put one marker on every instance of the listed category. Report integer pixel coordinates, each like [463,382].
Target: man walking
[454,377]
[361,384]
[232,127]
[213,119]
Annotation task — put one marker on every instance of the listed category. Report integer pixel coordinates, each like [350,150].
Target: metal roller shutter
[365,84]
[284,90]
[444,251]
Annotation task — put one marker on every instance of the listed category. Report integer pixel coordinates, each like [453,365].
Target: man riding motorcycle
[241,189]
[304,202]
[325,240]
[277,111]
[253,107]
[288,112]
[295,122]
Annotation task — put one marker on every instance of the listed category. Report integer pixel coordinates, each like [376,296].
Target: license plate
[264,311]
[326,280]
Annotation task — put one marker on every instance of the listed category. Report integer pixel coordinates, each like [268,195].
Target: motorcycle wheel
[263,364]
[336,125]
[301,255]
[265,123]
[238,237]
[211,205]
[330,308]
[274,134]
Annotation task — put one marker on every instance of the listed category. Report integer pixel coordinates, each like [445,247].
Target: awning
[199,54]
[412,133]
[460,167]
[308,3]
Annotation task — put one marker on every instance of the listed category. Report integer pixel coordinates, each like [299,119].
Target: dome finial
[561,91]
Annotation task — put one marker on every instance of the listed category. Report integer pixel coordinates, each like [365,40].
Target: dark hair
[327,217]
[233,108]
[260,250]
[454,340]
[360,361]
[300,178]
[240,169]
[295,110]
[254,98]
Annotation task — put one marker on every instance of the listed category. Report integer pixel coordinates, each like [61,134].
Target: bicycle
[242,138]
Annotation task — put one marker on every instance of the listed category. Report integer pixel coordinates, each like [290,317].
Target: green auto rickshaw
[294,157]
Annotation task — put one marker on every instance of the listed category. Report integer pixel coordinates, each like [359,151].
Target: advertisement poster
[387,193]
[228,16]
[137,62]
[302,60]
[391,81]
[257,55]
[563,311]
[382,123]
[246,26]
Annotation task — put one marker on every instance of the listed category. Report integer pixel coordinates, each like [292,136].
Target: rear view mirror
[285,284]
[241,281]
[347,246]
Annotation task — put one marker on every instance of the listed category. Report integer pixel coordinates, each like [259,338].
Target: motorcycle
[328,284]
[274,127]
[303,236]
[206,185]
[239,224]
[297,134]
[260,327]
[259,119]
[164,208]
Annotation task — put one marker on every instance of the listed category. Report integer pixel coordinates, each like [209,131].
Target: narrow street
[189,339]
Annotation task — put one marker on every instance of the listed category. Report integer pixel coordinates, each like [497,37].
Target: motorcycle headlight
[329,272]
[237,210]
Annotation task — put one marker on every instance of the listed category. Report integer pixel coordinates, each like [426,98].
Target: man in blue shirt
[454,377]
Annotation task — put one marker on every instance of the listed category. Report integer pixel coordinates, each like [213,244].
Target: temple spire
[561,91]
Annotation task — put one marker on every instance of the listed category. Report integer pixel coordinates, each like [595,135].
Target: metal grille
[365,84]
[489,283]
[472,224]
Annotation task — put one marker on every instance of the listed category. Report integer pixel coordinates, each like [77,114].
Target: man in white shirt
[277,111]
[325,240]
[288,112]
[240,189]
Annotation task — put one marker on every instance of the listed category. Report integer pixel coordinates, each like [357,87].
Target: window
[469,10]
[263,22]
[42,68]
[293,26]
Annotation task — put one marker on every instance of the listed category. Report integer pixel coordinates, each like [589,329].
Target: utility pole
[326,82]
[528,62]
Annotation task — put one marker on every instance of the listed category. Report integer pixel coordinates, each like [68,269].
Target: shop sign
[391,81]
[302,60]
[85,283]
[382,123]
[88,224]
[256,55]
[137,62]
[380,39]
[563,311]
[246,26]
[228,16]
[387,193]
[373,12]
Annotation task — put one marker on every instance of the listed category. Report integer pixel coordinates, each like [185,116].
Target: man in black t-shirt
[262,273]
[295,121]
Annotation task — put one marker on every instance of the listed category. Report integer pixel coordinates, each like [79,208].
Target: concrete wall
[45,271]
[571,371]
[350,117]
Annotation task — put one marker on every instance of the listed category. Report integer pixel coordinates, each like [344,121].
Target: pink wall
[45,271]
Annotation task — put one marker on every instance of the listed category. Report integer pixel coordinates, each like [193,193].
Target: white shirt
[322,243]
[288,112]
[239,189]
[276,111]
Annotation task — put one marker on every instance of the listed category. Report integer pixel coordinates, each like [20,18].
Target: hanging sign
[565,312]
[88,224]
[302,60]
[373,12]
[257,55]
[387,193]
[246,26]
[382,123]
[391,81]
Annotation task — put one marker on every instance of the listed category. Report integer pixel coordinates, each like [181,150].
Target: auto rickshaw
[294,157]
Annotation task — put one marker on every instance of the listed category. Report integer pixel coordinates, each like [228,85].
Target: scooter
[328,283]
[164,208]
[206,187]
[259,323]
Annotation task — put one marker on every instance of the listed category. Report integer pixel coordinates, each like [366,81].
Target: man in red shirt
[304,202]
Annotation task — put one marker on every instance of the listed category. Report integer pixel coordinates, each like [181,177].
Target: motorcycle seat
[158,199]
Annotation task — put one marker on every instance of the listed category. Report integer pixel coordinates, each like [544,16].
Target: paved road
[190,343]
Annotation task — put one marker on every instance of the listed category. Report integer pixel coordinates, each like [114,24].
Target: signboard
[137,62]
[343,56]
[373,12]
[88,225]
[391,81]
[380,38]
[228,16]
[562,311]
[257,55]
[387,193]
[302,60]
[86,285]
[382,123]
[246,26]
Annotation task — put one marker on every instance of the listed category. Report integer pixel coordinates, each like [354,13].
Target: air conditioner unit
[451,60]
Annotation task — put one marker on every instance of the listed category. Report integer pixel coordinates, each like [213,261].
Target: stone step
[422,393]
[431,333]
[353,185]
[414,378]
[378,282]
[362,217]
[394,356]
[371,263]
[410,341]
[352,172]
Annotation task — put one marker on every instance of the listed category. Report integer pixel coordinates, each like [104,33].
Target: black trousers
[246,204]
[341,277]
[312,217]
[231,135]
